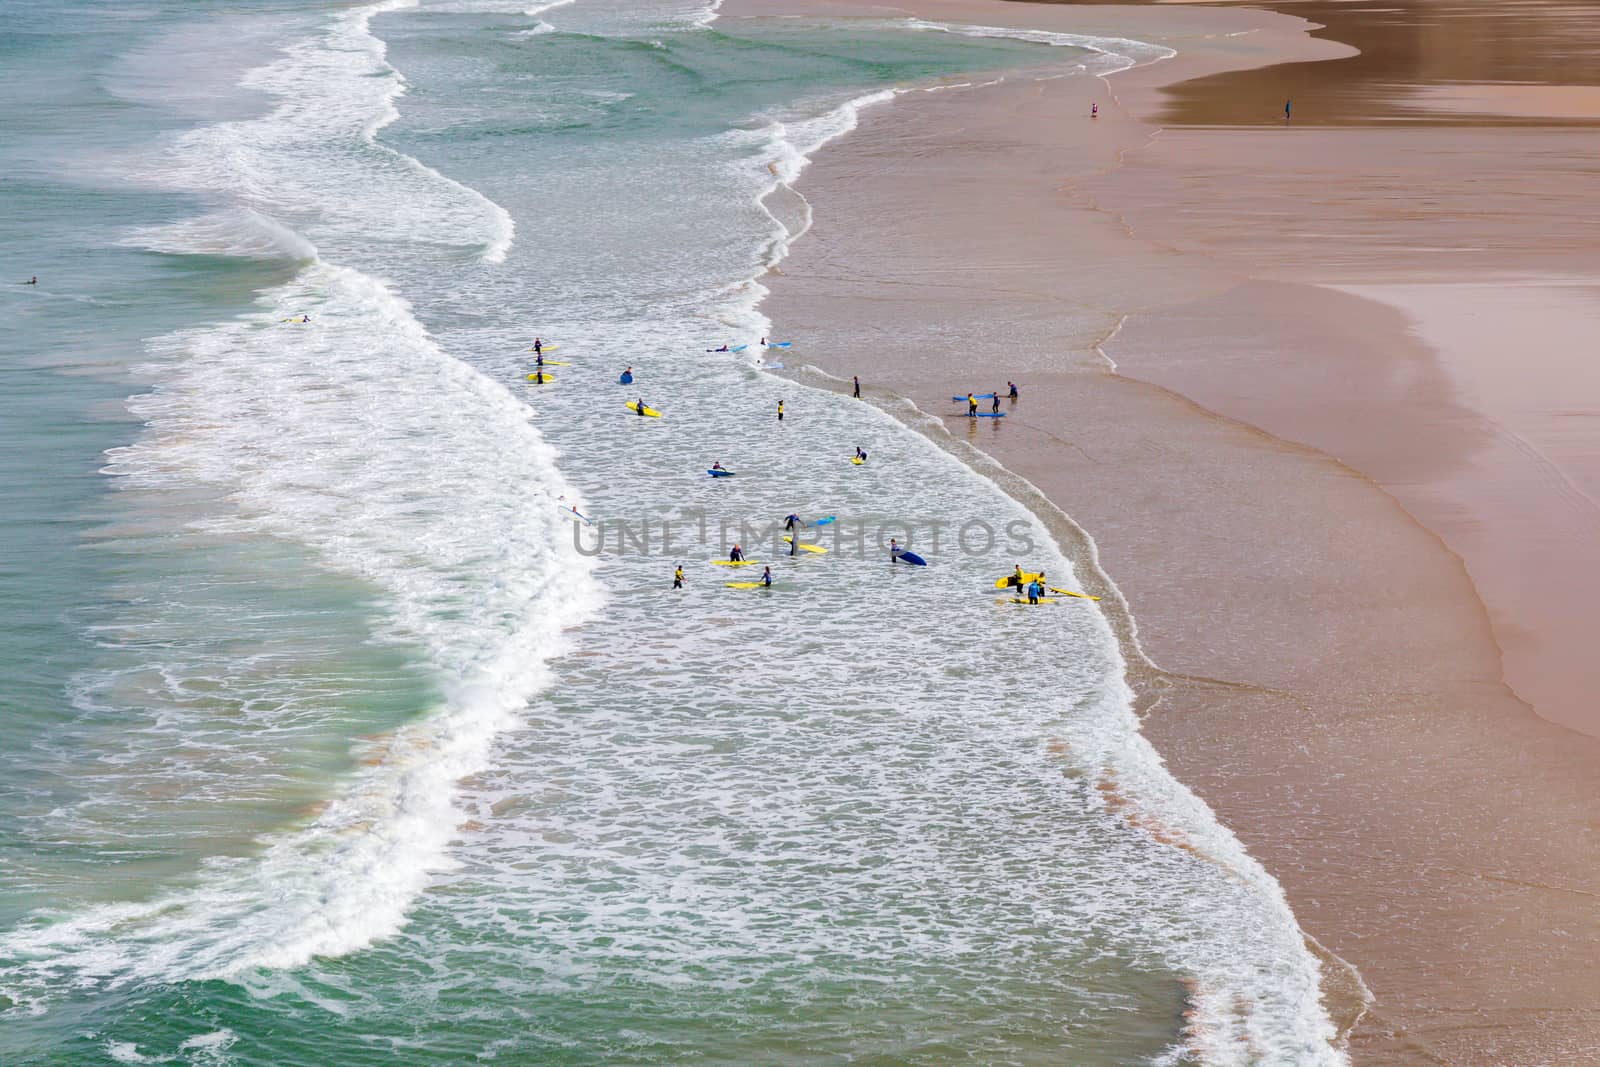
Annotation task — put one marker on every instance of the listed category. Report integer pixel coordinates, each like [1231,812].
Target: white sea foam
[1121,52]
[313,164]
[357,437]
[237,232]
[353,435]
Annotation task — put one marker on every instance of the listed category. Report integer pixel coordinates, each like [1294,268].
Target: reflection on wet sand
[1430,62]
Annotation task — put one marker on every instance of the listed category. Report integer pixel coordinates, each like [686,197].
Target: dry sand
[1305,470]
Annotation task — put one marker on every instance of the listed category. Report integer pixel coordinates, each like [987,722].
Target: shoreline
[1369,756]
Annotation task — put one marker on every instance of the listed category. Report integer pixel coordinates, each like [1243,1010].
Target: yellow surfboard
[546,348]
[555,363]
[748,585]
[1011,579]
[1041,600]
[736,563]
[633,405]
[857,460]
[534,378]
[1068,592]
[806,548]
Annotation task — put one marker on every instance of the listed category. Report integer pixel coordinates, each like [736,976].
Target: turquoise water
[329,738]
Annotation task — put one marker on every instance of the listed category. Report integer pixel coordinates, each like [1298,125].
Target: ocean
[330,735]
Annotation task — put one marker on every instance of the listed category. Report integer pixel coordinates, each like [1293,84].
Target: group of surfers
[972,400]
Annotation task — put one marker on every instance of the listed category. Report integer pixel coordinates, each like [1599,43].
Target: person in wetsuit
[737,555]
[766,577]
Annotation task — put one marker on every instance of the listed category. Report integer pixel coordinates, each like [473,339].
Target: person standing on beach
[1094,111]
[855,382]
[677,577]
[1286,106]
[780,411]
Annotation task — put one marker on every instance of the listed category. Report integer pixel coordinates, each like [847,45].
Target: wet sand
[1408,53]
[1246,372]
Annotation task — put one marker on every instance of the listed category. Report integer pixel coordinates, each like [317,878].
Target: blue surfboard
[779,344]
[911,558]
[718,474]
[824,522]
[991,414]
[975,396]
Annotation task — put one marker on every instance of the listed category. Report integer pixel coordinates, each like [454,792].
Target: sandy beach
[1318,396]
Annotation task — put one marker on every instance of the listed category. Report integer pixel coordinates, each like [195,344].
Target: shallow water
[331,737]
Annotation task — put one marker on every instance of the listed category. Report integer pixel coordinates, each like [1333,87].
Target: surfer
[640,410]
[677,577]
[894,550]
[627,377]
[861,454]
[972,406]
[1094,111]
[792,520]
[32,281]
[780,411]
[737,555]
[855,383]
[1034,591]
[538,349]
[1013,387]
[538,376]
[995,409]
[1017,579]
[766,577]
[717,466]
[724,348]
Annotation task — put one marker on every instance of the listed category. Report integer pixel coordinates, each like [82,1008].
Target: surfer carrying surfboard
[972,406]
